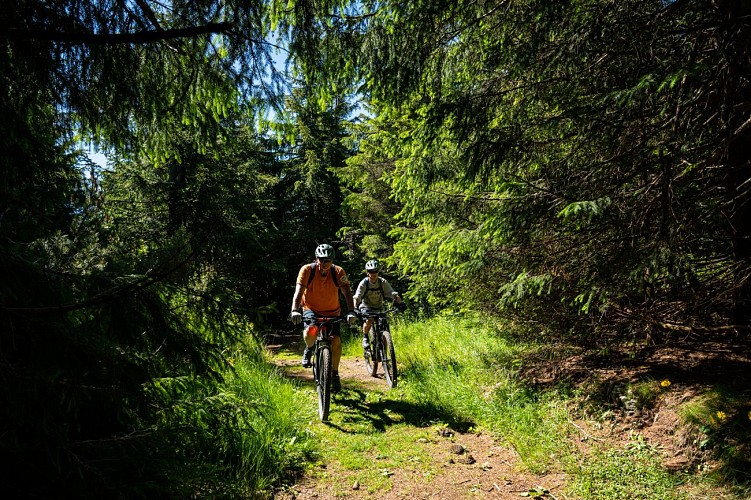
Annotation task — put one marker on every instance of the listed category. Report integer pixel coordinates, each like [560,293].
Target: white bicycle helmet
[325,251]
[372,265]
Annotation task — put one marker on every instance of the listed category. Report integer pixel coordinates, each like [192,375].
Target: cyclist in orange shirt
[317,294]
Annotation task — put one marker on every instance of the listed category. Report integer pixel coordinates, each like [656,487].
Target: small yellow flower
[665,383]
[721,416]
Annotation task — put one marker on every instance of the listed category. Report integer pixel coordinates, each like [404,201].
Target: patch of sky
[98,158]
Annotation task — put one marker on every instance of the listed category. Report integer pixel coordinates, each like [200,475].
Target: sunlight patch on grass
[721,421]
[370,435]
[467,370]
[634,472]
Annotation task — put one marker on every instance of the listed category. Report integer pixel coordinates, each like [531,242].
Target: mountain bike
[381,346]
[322,370]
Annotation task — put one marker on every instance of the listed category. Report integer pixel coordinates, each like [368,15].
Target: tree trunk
[735,39]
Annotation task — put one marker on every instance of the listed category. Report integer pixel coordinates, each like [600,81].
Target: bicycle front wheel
[323,381]
[388,358]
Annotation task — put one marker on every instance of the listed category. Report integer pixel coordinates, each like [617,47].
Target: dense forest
[582,167]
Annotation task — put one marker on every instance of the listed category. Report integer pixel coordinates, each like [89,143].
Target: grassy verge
[468,369]
[274,445]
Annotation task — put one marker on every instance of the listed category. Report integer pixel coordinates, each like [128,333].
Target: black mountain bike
[322,370]
[381,346]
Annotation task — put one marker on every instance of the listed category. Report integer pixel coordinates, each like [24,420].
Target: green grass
[274,446]
[633,472]
[721,421]
[468,368]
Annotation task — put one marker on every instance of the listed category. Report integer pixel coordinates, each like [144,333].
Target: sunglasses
[326,261]
[372,272]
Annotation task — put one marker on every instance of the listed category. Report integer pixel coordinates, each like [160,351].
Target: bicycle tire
[323,381]
[371,359]
[388,358]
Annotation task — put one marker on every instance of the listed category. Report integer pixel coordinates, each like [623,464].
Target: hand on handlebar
[295,317]
[352,318]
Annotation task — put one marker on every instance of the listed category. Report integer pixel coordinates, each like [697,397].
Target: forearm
[297,298]
[347,292]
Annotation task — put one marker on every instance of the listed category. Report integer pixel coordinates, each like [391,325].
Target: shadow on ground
[386,410]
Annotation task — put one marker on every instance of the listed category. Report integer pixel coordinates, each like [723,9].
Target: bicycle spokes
[388,359]
[323,381]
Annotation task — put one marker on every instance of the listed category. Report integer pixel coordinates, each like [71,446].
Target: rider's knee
[309,335]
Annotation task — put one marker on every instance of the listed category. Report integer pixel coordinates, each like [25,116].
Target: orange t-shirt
[322,296]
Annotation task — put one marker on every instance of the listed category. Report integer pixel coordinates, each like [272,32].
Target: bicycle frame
[322,368]
[381,347]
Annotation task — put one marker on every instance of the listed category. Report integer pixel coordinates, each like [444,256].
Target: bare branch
[140,37]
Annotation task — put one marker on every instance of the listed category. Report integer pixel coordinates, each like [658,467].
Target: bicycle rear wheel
[323,381]
[388,358]
[371,355]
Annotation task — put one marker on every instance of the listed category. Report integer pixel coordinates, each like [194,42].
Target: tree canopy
[578,163]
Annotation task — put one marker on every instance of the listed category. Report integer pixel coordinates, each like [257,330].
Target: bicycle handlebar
[323,319]
[373,314]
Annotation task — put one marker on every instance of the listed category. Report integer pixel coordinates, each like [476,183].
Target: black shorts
[308,314]
[370,310]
